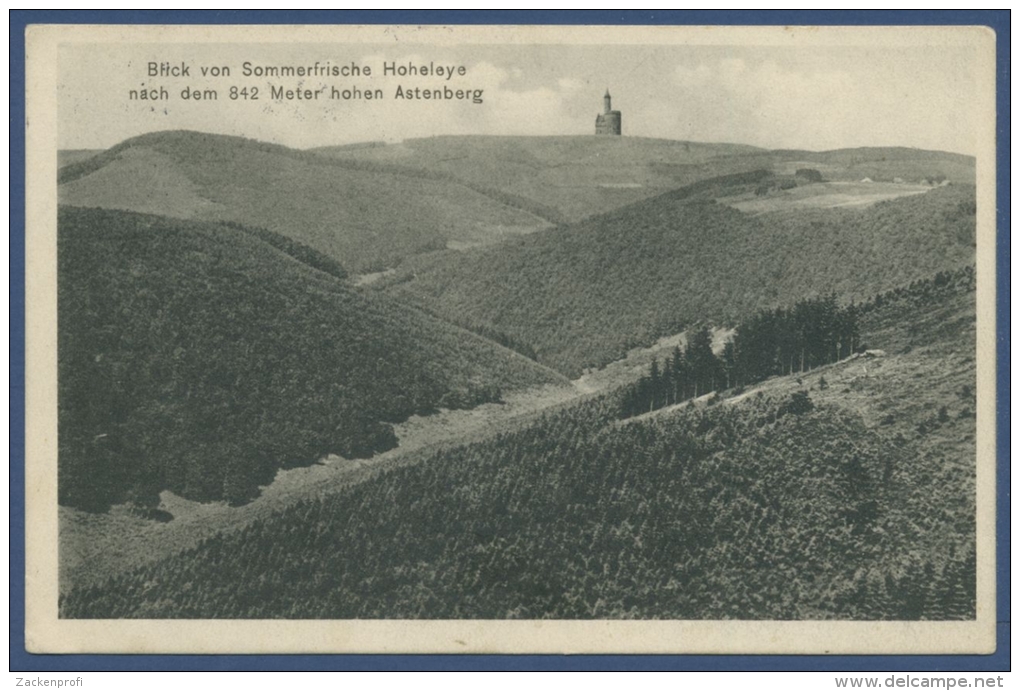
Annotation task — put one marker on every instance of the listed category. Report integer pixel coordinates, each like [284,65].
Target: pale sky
[804,97]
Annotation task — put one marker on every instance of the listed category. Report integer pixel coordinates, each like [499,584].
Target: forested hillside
[367,216]
[581,295]
[803,500]
[202,357]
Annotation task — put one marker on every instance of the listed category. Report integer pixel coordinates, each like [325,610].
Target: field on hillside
[856,503]
[881,164]
[829,195]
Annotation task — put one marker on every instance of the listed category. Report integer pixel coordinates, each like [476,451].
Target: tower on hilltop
[609,121]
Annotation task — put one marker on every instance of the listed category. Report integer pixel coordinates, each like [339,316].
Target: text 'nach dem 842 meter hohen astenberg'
[317,81]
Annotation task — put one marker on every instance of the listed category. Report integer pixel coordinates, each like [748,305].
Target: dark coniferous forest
[201,358]
[777,506]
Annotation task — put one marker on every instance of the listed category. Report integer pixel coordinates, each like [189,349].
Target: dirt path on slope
[94,546]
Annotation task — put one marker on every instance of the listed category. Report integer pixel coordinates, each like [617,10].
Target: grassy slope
[188,349]
[860,508]
[582,295]
[580,176]
[574,177]
[366,216]
[824,195]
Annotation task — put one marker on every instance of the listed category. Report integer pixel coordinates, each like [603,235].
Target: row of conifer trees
[814,332]
[781,341]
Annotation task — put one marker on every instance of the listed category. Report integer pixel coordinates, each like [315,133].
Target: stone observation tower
[609,121]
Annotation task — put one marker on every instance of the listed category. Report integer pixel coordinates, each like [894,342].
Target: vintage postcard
[510,339]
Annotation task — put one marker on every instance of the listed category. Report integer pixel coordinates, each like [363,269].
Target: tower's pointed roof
[607,93]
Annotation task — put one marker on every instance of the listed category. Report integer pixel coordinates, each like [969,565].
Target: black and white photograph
[511,339]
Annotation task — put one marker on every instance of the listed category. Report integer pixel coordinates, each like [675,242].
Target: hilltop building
[609,121]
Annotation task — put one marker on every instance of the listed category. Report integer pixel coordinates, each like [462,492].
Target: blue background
[20,660]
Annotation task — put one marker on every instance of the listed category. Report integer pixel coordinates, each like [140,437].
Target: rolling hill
[572,177]
[581,176]
[581,295]
[371,206]
[202,357]
[366,216]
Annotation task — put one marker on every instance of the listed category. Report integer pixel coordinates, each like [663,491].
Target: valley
[584,294]
[424,380]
